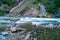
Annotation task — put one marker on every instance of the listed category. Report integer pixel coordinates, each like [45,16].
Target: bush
[37,6]
[9,3]
[1,13]
[57,3]
[2,29]
[52,9]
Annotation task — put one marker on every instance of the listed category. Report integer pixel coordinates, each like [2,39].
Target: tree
[52,9]
[57,3]
[6,9]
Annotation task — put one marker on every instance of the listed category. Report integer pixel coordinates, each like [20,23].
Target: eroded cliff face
[31,12]
[14,11]
[24,4]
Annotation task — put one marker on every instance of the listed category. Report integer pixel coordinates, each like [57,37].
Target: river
[27,19]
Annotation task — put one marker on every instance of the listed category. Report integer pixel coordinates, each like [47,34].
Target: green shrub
[37,6]
[57,3]
[2,29]
[1,13]
[52,9]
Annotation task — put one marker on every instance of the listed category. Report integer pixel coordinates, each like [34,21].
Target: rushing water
[23,20]
[2,37]
[42,10]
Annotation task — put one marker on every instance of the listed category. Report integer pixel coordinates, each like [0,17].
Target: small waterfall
[42,10]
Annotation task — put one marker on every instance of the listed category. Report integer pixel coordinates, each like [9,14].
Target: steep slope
[21,6]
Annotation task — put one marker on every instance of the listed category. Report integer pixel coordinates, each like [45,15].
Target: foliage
[57,3]
[44,33]
[47,34]
[2,29]
[51,5]
[52,9]
[36,6]
[8,2]
[1,13]
[6,9]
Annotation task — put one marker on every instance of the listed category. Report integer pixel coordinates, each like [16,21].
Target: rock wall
[21,6]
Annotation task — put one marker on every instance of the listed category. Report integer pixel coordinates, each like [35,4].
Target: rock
[4,33]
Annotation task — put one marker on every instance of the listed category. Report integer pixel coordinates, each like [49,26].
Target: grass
[36,6]
[41,33]
[44,33]
[47,34]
